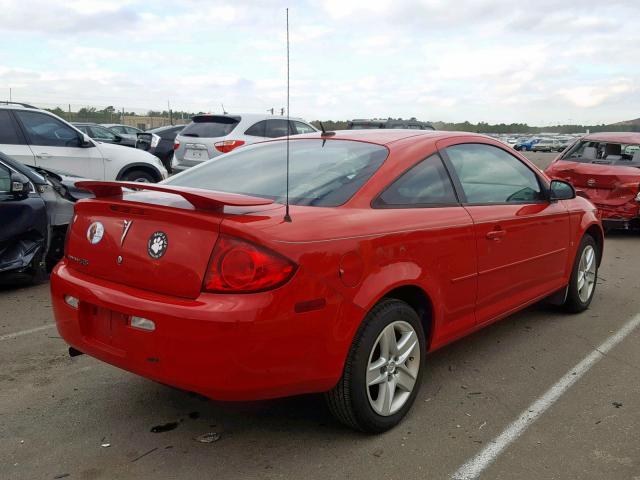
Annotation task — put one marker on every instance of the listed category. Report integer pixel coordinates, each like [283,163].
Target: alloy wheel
[587,273]
[393,368]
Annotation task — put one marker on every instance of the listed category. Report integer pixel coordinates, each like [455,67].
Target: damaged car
[36,207]
[605,167]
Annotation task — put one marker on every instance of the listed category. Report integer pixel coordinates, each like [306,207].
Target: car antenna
[287,217]
[223,110]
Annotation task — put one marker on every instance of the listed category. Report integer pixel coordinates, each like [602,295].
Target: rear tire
[376,389]
[584,276]
[139,176]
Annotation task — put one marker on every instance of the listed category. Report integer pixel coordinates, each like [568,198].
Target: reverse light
[143,323]
[227,145]
[176,145]
[238,266]
[73,302]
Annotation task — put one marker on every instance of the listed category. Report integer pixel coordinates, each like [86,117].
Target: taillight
[176,145]
[228,145]
[238,266]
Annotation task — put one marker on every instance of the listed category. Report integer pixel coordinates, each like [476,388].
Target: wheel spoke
[405,346]
[589,260]
[374,372]
[387,392]
[406,379]
[388,346]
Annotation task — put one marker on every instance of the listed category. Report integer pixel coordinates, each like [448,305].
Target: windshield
[323,173]
[607,153]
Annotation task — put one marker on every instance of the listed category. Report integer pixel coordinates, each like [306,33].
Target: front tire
[383,371]
[582,285]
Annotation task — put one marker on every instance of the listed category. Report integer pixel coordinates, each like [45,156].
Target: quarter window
[46,130]
[5,179]
[427,183]
[488,174]
[8,132]
[257,130]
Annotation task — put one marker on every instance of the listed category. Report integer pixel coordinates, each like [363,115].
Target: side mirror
[85,141]
[117,139]
[20,184]
[561,190]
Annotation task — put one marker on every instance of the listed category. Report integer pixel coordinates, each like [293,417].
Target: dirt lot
[81,419]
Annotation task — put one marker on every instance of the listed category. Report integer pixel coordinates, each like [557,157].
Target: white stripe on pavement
[474,467]
[9,336]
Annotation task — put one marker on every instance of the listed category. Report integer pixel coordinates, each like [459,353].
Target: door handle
[44,155]
[496,234]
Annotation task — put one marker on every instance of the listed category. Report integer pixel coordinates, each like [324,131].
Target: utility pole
[10,94]
[170,117]
[282,112]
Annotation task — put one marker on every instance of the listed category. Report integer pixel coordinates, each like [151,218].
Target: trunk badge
[119,259]
[95,232]
[591,182]
[157,245]
[126,224]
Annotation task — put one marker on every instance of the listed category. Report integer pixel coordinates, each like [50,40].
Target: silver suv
[208,136]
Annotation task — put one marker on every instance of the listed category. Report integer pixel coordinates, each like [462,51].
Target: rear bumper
[226,347]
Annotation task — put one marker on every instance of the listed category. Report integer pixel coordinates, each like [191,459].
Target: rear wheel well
[417,299]
[595,232]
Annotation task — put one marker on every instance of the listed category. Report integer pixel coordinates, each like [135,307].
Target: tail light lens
[228,145]
[238,266]
[176,145]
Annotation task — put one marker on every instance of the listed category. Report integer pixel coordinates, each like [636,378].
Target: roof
[618,137]
[250,116]
[387,136]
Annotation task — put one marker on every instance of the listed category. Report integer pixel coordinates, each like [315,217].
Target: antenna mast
[287,217]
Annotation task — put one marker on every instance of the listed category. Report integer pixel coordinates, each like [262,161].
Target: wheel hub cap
[393,368]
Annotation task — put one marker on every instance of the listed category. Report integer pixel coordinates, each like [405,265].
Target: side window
[302,128]
[8,130]
[257,130]
[131,130]
[43,129]
[277,128]
[118,130]
[5,179]
[425,184]
[488,174]
[100,133]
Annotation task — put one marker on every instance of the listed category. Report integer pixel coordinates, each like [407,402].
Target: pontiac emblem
[591,182]
[126,224]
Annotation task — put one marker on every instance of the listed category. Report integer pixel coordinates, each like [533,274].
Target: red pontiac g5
[399,243]
[605,167]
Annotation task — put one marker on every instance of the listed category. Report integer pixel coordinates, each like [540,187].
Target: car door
[56,145]
[277,128]
[436,233]
[522,239]
[12,140]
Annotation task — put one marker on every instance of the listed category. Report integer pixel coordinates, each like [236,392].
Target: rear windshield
[324,173]
[210,126]
[606,153]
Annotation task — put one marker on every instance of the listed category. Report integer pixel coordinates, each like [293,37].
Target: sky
[544,62]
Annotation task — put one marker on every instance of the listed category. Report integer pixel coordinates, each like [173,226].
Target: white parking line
[9,336]
[474,467]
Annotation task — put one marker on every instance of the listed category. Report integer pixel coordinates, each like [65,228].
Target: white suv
[37,137]
[208,136]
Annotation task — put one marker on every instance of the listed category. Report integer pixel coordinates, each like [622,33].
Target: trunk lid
[157,241]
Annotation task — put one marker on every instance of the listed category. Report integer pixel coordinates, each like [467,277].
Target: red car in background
[605,167]
[399,242]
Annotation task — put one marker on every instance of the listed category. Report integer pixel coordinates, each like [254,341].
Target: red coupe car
[605,167]
[399,242]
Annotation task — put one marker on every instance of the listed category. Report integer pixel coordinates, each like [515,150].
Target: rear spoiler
[200,199]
